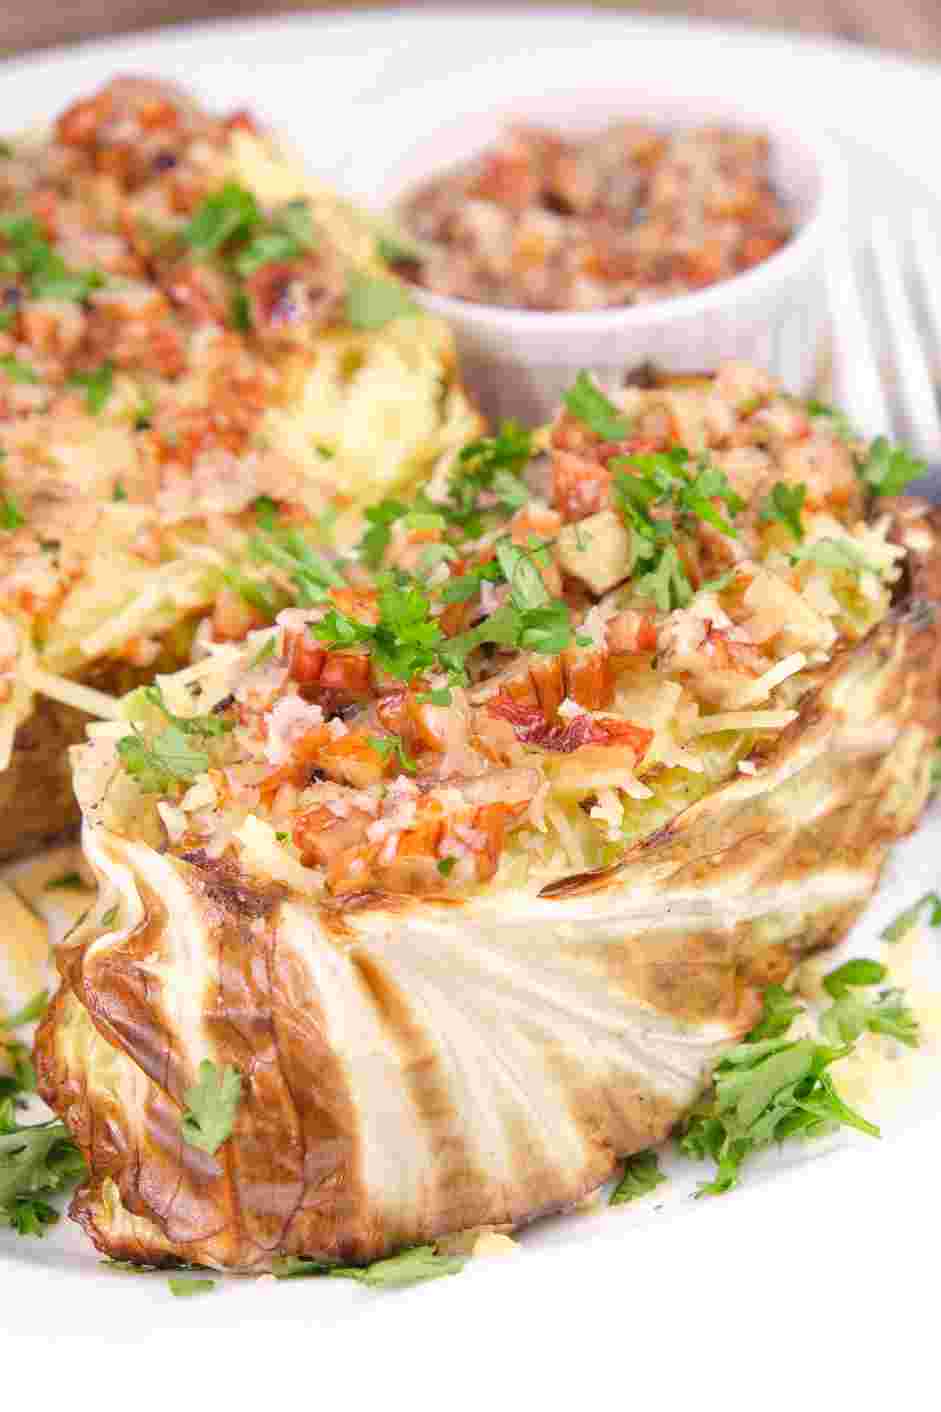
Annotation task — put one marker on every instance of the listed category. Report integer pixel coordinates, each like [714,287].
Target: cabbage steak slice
[417,1066]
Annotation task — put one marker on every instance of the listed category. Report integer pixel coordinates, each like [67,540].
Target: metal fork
[898,399]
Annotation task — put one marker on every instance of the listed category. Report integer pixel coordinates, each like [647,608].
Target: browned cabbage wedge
[416,1066]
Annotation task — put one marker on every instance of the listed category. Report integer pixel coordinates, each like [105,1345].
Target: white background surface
[814,1285]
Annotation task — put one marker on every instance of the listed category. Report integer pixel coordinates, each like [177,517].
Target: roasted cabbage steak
[415,1064]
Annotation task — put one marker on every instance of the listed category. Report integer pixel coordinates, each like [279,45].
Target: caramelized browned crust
[411,1068]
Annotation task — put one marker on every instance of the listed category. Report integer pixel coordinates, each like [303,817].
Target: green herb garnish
[839,554]
[211,1105]
[186,1287]
[373,302]
[33,1010]
[227,214]
[641,1176]
[98,385]
[588,404]
[34,1159]
[409,1267]
[65,882]
[169,759]
[908,919]
[392,745]
[888,469]
[11,516]
[17,371]
[785,504]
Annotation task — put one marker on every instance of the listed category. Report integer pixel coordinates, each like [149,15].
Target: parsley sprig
[669,481]
[211,1105]
[589,405]
[311,573]
[169,758]
[29,254]
[98,385]
[641,1175]
[34,1159]
[491,465]
[928,906]
[772,1087]
[888,469]
[784,504]
[409,1267]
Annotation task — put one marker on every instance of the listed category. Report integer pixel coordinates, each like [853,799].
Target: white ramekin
[517,362]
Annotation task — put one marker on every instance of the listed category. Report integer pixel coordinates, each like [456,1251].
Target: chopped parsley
[910,918]
[667,583]
[119,493]
[240,311]
[440,696]
[65,882]
[310,573]
[110,917]
[852,1015]
[266,512]
[641,1176]
[266,650]
[373,302]
[144,414]
[409,1267]
[16,370]
[228,214]
[11,516]
[30,255]
[405,639]
[588,404]
[670,479]
[842,427]
[835,554]
[288,234]
[33,1010]
[184,1287]
[37,1158]
[888,469]
[490,466]
[390,746]
[98,385]
[209,725]
[785,504]
[169,759]
[771,1087]
[447,865]
[211,1105]
[779,1008]
[258,593]
[397,248]
[380,518]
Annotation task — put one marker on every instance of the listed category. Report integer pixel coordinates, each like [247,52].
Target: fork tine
[915,390]
[857,387]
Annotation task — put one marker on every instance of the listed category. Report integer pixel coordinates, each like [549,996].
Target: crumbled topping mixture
[538,658]
[165,302]
[625,216]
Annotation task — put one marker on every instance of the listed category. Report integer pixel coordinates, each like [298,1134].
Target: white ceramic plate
[812,1275]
